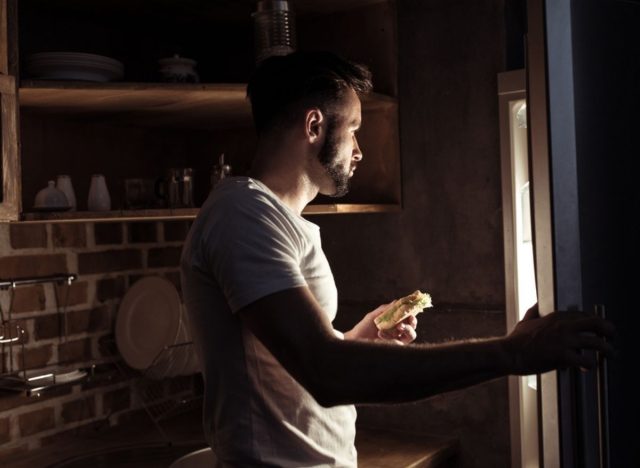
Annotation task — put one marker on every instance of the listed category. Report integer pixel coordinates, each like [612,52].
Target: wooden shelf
[351,208]
[149,104]
[114,215]
[188,105]
[186,213]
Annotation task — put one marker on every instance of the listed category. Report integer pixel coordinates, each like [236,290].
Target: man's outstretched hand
[557,340]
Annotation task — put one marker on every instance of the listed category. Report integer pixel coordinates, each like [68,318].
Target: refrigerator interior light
[526,213]
[521,116]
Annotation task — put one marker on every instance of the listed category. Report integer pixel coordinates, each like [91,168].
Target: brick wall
[108,258]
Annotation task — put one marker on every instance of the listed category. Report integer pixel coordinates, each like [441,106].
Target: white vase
[64,184]
[99,199]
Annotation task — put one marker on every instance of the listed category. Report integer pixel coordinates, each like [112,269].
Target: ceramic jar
[178,69]
[99,198]
[64,184]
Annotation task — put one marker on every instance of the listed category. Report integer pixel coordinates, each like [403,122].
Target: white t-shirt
[245,244]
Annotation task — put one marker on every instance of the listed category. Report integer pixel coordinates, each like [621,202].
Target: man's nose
[357,153]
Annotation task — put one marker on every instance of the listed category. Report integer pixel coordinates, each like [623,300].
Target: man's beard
[328,155]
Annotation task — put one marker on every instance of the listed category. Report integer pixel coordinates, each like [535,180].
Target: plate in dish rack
[148,320]
[73,66]
[46,378]
[71,376]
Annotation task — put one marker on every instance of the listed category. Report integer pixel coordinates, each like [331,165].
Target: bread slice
[402,308]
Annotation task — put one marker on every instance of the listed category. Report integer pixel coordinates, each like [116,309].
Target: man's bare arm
[292,326]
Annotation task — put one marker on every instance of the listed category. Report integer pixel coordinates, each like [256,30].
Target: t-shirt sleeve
[253,250]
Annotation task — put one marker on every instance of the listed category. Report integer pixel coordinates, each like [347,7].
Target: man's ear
[313,123]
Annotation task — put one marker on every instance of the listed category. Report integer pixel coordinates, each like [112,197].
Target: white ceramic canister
[64,184]
[178,69]
[99,198]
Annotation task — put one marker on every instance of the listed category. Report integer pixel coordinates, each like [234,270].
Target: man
[280,382]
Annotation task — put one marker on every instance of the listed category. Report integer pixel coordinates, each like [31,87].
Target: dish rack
[12,337]
[157,406]
[159,411]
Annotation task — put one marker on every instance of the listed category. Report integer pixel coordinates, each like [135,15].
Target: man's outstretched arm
[292,326]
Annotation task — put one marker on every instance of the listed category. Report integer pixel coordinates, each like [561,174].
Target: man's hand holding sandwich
[395,321]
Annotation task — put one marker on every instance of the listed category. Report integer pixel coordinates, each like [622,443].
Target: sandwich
[402,308]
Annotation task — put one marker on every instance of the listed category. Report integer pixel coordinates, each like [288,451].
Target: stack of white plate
[152,332]
[73,66]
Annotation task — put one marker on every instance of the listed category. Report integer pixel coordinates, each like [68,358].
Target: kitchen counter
[388,449]
[136,442]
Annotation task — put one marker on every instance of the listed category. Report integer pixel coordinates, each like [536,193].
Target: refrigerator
[569,141]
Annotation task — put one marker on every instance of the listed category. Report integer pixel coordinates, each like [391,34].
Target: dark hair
[284,86]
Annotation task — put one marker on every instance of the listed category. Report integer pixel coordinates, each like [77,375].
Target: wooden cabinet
[139,127]
[10,170]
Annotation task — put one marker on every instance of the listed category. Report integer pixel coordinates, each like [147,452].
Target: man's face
[340,153]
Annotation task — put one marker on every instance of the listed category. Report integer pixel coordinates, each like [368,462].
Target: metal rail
[56,278]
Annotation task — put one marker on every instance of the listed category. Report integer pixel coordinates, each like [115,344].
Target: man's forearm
[367,372]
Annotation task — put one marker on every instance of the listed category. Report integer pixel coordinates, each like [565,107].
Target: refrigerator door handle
[603,400]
